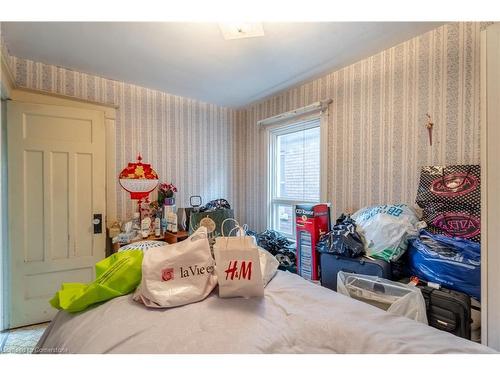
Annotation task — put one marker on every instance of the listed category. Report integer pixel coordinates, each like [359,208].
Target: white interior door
[56,174]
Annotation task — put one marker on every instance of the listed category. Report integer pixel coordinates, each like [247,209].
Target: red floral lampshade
[138,179]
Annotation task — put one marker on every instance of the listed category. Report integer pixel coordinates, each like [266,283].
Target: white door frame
[6,87]
[490,182]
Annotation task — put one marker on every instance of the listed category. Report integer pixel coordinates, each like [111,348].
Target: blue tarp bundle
[454,263]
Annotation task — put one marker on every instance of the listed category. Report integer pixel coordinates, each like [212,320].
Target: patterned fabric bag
[451,200]
[453,185]
[453,220]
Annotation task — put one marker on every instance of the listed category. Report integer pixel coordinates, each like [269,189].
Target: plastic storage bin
[391,296]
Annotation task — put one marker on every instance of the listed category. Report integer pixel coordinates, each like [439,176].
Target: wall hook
[429,127]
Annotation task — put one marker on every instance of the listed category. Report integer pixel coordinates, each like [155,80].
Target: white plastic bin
[397,298]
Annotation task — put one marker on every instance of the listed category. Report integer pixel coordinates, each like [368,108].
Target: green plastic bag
[116,275]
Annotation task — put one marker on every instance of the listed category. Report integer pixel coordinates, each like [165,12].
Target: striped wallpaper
[377,136]
[188,142]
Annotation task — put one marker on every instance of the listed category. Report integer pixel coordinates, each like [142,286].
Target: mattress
[294,316]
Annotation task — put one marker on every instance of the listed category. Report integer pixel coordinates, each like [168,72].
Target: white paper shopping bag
[177,274]
[238,267]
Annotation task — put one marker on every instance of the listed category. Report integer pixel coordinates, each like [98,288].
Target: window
[294,171]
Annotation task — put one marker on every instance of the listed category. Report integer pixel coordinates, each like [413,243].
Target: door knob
[97,223]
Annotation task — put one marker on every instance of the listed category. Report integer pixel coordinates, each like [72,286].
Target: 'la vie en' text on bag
[177,274]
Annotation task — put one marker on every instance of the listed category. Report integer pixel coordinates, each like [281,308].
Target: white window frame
[300,119]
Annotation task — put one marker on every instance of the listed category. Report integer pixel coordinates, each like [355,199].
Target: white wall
[490,181]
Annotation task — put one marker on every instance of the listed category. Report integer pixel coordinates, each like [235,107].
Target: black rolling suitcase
[448,310]
[331,264]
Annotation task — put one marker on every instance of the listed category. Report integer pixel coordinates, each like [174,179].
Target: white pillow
[268,265]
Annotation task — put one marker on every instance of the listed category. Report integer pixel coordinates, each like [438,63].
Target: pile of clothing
[215,204]
[379,232]
[344,239]
[279,246]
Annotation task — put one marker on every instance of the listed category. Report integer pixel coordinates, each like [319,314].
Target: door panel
[56,164]
[34,210]
[83,181]
[40,288]
[53,128]
[59,209]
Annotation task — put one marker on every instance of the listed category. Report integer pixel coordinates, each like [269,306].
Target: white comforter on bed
[295,316]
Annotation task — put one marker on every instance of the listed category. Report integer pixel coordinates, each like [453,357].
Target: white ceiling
[193,60]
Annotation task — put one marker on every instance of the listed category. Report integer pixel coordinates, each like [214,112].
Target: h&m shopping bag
[238,267]
[177,274]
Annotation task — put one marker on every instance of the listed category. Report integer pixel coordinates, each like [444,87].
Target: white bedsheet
[295,316]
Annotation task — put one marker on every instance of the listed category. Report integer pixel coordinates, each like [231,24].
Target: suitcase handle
[361,261]
[348,271]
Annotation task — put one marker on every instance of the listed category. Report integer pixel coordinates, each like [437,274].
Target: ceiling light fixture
[241,30]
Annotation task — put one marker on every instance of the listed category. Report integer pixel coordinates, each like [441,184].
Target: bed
[295,316]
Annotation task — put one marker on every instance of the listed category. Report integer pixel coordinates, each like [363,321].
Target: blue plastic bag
[455,263]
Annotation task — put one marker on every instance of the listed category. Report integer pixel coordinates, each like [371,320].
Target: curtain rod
[321,105]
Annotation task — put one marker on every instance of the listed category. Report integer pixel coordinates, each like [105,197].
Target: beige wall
[377,139]
[377,136]
[188,142]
